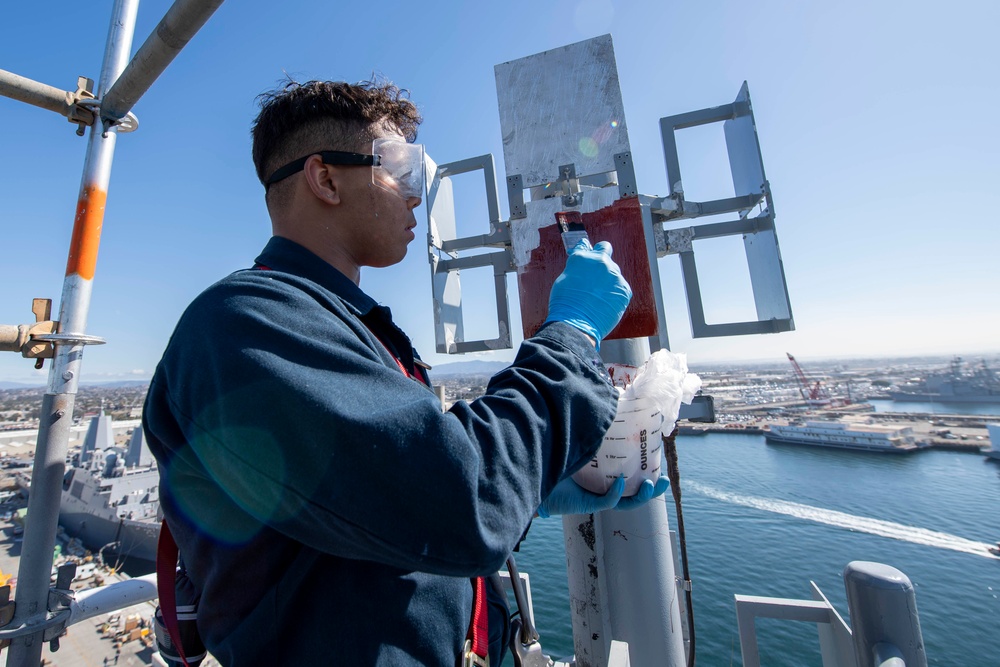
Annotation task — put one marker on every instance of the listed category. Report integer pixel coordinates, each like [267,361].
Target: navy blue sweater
[326,509]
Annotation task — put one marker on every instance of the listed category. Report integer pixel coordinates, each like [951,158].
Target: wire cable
[673,473]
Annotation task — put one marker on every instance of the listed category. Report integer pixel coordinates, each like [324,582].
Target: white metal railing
[883,609]
[835,639]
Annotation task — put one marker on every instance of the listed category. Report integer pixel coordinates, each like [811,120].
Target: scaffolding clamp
[84,109]
[79,112]
[25,338]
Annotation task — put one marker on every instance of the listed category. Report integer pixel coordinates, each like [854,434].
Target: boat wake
[896,531]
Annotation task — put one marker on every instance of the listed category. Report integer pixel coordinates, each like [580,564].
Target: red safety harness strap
[166,579]
[476,652]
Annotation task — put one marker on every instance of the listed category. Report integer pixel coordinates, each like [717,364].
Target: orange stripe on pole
[87,233]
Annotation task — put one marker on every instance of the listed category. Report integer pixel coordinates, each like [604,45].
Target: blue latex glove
[647,491]
[570,498]
[590,294]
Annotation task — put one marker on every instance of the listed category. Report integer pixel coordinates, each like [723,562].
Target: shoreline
[968,433]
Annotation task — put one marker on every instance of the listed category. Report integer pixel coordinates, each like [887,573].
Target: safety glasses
[397,166]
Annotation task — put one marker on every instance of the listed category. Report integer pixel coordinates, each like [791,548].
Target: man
[326,510]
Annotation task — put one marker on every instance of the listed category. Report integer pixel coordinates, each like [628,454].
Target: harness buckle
[471,659]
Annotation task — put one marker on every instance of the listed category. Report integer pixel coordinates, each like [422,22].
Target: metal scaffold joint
[51,625]
[27,338]
[84,109]
[126,124]
[52,622]
[81,114]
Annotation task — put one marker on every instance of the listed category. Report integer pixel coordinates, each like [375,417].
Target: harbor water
[764,519]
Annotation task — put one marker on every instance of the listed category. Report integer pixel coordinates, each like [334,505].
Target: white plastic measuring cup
[632,447]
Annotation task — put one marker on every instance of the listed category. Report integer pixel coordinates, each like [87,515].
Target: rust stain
[87,233]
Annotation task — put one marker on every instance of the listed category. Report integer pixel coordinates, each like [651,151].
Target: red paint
[568,217]
[621,225]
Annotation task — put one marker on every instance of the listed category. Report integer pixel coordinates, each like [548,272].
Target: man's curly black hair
[300,119]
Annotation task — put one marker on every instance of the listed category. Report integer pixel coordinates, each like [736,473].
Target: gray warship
[954,385]
[110,494]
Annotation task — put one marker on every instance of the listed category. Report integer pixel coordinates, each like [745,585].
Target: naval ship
[110,494]
[954,385]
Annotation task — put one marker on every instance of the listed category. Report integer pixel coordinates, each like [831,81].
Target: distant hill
[109,384]
[21,385]
[468,368]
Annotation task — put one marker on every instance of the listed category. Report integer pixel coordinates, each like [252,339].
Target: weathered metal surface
[562,106]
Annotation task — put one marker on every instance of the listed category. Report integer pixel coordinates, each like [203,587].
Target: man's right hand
[591,294]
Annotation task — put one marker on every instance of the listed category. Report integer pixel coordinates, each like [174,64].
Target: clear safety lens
[399,167]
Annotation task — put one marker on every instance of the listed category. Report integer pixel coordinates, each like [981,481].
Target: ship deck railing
[836,642]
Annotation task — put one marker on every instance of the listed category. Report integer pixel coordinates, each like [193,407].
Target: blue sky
[876,124]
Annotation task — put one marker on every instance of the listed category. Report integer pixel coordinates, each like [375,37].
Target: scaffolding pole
[175,30]
[37,94]
[41,615]
[31,611]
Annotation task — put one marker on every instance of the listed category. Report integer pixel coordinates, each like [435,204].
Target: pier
[962,433]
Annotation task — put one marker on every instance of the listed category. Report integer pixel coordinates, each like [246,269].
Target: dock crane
[815,394]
